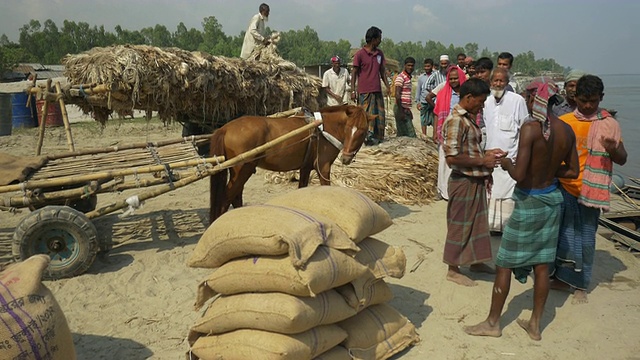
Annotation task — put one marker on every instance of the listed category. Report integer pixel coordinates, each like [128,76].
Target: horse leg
[239,177]
[324,171]
[218,195]
[305,174]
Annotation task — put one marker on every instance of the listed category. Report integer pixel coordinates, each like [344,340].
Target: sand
[136,301]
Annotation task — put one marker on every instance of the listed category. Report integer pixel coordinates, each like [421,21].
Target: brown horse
[312,151]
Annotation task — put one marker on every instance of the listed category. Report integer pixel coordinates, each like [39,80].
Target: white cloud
[424,12]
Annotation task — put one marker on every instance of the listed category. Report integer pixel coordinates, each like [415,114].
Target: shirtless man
[546,150]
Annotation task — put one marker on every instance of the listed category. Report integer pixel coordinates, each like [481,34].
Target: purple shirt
[368,64]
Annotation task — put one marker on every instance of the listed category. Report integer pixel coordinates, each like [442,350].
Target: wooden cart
[63,193]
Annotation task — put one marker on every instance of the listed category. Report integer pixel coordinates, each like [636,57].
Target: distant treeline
[47,44]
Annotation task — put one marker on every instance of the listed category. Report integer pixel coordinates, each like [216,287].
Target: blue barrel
[5,114]
[22,113]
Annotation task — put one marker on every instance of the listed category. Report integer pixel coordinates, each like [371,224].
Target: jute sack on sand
[34,324]
[381,258]
[257,344]
[354,212]
[273,230]
[378,332]
[276,312]
[337,353]
[327,268]
[371,292]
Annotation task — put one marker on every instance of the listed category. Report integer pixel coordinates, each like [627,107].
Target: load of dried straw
[401,170]
[197,87]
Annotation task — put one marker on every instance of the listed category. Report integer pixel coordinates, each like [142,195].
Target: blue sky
[596,36]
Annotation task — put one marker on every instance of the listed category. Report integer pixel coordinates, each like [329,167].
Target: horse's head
[356,128]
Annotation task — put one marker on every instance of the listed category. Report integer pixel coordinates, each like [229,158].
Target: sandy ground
[136,302]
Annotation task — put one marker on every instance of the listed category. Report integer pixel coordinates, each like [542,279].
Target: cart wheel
[65,234]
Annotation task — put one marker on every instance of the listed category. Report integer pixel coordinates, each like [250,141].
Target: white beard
[497,93]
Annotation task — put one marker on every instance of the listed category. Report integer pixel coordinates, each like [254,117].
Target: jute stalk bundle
[401,170]
[187,86]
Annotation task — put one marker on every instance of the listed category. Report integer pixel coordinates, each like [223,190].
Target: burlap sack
[267,230]
[381,258]
[276,312]
[337,353]
[327,269]
[371,292]
[34,326]
[249,344]
[378,332]
[355,213]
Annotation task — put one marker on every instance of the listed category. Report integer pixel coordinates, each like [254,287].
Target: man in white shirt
[256,32]
[504,113]
[334,82]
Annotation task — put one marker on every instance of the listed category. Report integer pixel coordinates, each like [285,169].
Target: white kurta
[337,83]
[255,35]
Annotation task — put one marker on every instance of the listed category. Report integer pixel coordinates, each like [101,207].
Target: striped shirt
[403,80]
[436,78]
[463,136]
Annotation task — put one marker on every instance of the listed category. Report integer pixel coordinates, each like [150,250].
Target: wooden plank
[609,224]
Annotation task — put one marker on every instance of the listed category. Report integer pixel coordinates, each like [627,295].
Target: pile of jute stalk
[401,170]
[195,86]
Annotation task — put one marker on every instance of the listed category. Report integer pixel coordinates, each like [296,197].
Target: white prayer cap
[444,57]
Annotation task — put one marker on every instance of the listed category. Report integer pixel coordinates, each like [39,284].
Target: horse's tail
[218,190]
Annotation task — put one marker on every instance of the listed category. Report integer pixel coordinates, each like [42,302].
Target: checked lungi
[373,104]
[468,240]
[531,234]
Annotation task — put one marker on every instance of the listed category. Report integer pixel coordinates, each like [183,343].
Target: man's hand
[353,95]
[610,145]
[419,106]
[492,158]
[337,97]
[400,114]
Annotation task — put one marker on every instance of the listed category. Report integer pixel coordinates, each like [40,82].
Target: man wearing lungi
[468,241]
[546,150]
[599,145]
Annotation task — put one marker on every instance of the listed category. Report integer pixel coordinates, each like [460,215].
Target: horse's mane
[354,112]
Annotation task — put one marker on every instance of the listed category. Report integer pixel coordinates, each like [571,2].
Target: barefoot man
[546,150]
[599,145]
[468,241]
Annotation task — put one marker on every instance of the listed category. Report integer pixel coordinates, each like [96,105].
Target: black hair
[484,63]
[409,60]
[589,85]
[428,61]
[474,87]
[461,54]
[263,7]
[373,33]
[506,55]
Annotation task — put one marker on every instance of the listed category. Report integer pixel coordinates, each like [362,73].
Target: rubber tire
[58,218]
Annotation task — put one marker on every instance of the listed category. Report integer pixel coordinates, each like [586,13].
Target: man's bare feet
[556,284]
[534,334]
[482,268]
[460,279]
[484,329]
[579,297]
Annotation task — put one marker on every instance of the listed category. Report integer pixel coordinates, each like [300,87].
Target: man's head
[471,69]
[335,63]
[373,37]
[453,77]
[461,60]
[540,96]
[444,63]
[499,81]
[484,66]
[570,82]
[589,93]
[428,65]
[505,60]
[264,10]
[473,94]
[409,65]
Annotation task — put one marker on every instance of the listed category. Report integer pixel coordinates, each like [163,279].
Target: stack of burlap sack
[33,324]
[300,278]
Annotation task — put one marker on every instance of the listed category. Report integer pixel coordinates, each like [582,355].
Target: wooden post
[43,121]
[65,117]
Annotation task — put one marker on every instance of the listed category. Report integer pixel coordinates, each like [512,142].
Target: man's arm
[490,160]
[254,29]
[429,99]
[570,169]
[384,77]
[518,172]
[354,77]
[617,151]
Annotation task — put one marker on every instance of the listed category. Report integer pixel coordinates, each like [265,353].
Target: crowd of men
[527,164]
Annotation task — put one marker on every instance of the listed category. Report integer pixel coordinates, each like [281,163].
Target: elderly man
[532,233]
[334,82]
[505,61]
[569,103]
[503,115]
[256,32]
[468,242]
[368,69]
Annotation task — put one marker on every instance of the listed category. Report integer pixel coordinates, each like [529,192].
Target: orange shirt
[581,129]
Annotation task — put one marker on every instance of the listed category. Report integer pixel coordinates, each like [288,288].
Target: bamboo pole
[43,122]
[70,180]
[47,198]
[65,118]
[186,181]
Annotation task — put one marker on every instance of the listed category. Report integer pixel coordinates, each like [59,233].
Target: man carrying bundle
[256,33]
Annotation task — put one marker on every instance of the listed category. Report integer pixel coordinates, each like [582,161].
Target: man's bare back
[539,160]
